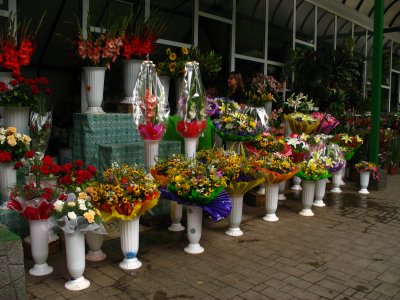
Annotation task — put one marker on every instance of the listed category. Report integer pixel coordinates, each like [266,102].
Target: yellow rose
[11,130]
[89,216]
[27,139]
[82,195]
[11,140]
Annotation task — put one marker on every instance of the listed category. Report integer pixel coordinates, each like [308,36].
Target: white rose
[58,205]
[72,215]
[82,206]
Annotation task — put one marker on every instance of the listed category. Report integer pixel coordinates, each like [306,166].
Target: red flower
[3,87]
[44,170]
[47,160]
[29,154]
[48,91]
[79,163]
[91,169]
[88,88]
[5,157]
[68,168]
[18,165]
[55,169]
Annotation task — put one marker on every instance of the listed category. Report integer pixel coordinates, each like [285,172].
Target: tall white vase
[190,147]
[296,184]
[94,242]
[307,197]
[151,152]
[235,216]
[234,146]
[75,252]
[282,188]
[94,87]
[271,201]
[176,217]
[268,107]
[39,247]
[194,227]
[336,180]
[343,171]
[17,117]
[130,244]
[165,80]
[320,193]
[8,178]
[131,69]
[364,181]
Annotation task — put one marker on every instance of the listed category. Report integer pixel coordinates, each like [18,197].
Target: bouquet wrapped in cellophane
[349,144]
[278,167]
[301,123]
[266,143]
[159,171]
[312,169]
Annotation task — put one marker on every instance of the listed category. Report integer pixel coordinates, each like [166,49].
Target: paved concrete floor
[348,250]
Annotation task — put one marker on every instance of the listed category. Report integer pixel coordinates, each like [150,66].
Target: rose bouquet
[13,145]
[266,143]
[159,171]
[327,122]
[124,192]
[301,123]
[368,167]
[278,168]
[348,144]
[76,213]
[76,176]
[312,169]
[263,88]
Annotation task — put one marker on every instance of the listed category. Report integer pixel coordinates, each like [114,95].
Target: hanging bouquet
[263,88]
[13,145]
[366,166]
[23,92]
[140,41]
[298,103]
[150,105]
[312,169]
[192,103]
[216,107]
[34,202]
[266,143]
[327,122]
[348,144]
[99,49]
[278,167]
[159,171]
[76,176]
[241,173]
[298,145]
[301,123]
[124,192]
[15,53]
[76,213]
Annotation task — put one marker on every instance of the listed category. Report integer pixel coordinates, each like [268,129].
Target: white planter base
[306,212]
[176,227]
[363,191]
[281,197]
[319,203]
[176,217]
[130,264]
[336,190]
[41,270]
[78,284]
[296,184]
[194,228]
[270,218]
[127,100]
[95,255]
[234,232]
[261,189]
[194,249]
[94,111]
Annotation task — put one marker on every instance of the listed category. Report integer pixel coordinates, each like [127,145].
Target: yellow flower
[11,130]
[27,139]
[168,51]
[82,195]
[71,204]
[89,216]
[178,178]
[11,140]
[185,50]
[172,56]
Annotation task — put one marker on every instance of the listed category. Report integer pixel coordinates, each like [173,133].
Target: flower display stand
[94,87]
[131,69]
[364,181]
[130,244]
[194,228]
[235,217]
[336,180]
[39,247]
[320,193]
[176,217]
[307,197]
[94,242]
[271,201]
[282,188]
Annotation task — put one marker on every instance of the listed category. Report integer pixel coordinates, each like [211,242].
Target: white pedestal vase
[271,201]
[176,217]
[130,244]
[336,179]
[320,193]
[194,227]
[235,216]
[234,146]
[296,184]
[190,147]
[268,107]
[261,189]
[94,87]
[165,80]
[75,252]
[151,152]
[343,171]
[17,117]
[364,181]
[131,69]
[39,247]
[8,178]
[94,242]
[282,188]
[307,197]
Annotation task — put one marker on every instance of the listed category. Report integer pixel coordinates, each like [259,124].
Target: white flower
[78,189]
[58,205]
[72,215]
[82,206]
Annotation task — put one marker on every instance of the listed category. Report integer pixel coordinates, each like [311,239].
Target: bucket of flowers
[366,168]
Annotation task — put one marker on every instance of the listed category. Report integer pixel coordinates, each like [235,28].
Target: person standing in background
[236,88]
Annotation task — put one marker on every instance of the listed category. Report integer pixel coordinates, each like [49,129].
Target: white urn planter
[94,87]
[336,180]
[282,188]
[261,189]
[364,181]
[8,178]
[151,152]
[343,171]
[190,147]
[131,69]
[271,201]
[39,247]
[296,184]
[130,244]
[307,197]
[235,216]
[320,193]
[75,252]
[194,227]
[17,117]
[176,217]
[94,242]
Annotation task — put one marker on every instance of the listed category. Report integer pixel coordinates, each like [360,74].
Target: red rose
[44,170]
[55,169]
[91,169]
[3,87]
[68,168]
[18,165]
[29,154]
[79,163]
[47,160]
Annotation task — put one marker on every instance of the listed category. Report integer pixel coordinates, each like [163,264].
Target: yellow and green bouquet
[278,167]
[312,169]
[301,123]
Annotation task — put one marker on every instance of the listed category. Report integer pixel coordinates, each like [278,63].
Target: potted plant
[394,154]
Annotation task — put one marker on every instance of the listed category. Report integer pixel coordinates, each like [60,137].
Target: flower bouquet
[366,166]
[327,122]
[312,169]
[174,64]
[159,171]
[301,123]
[219,106]
[298,103]
[331,156]
[266,143]
[263,89]
[278,167]
[275,121]
[298,145]
[349,144]
[76,176]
